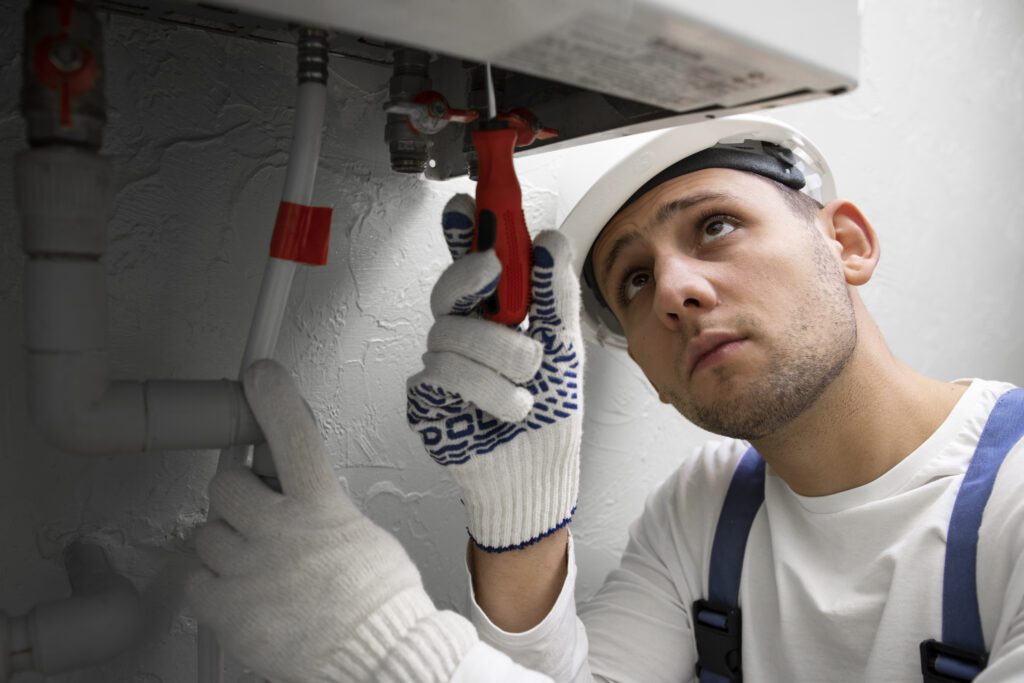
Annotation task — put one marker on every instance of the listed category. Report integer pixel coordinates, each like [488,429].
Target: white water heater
[591,69]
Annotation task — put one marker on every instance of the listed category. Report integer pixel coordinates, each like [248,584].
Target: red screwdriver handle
[500,222]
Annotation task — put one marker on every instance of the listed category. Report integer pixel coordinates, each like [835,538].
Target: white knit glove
[502,409]
[301,586]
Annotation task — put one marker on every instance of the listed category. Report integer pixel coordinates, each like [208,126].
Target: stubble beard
[799,369]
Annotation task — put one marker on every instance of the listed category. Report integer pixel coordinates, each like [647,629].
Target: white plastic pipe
[304,155]
[64,196]
[99,621]
[270,306]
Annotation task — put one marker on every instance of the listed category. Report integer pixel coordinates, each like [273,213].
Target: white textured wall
[931,145]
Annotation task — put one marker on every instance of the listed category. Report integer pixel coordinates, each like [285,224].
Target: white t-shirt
[834,588]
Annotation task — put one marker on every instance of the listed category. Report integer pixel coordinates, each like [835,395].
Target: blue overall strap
[961,655]
[716,621]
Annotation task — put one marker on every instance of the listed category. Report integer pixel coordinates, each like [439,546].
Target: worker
[858,521]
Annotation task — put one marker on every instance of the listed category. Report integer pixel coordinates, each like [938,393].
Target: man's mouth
[709,348]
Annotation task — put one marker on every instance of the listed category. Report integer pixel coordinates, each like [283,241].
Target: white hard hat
[649,165]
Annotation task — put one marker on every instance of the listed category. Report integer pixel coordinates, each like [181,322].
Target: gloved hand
[301,586]
[502,409]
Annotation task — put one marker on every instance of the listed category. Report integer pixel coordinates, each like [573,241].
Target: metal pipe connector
[409,153]
[313,58]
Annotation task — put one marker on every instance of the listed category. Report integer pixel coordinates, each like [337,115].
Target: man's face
[735,307]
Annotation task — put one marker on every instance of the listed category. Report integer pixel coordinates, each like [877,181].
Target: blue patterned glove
[500,407]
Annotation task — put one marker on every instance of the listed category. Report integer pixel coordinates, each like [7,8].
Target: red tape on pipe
[302,233]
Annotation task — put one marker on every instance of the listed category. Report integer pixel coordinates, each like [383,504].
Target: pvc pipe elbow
[15,649]
[99,621]
[64,196]
[76,409]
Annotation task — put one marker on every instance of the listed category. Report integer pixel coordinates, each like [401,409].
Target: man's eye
[715,228]
[632,284]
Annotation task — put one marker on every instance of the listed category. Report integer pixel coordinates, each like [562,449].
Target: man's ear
[859,250]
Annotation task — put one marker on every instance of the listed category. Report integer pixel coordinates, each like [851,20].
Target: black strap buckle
[941,663]
[717,630]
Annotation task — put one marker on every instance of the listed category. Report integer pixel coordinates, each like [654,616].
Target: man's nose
[682,291]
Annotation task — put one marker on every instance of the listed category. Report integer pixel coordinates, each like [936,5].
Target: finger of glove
[555,304]
[202,595]
[503,349]
[300,456]
[221,548]
[476,384]
[457,221]
[465,283]
[228,604]
[227,553]
[242,500]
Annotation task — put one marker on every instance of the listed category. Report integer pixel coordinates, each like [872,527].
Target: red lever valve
[64,65]
[429,112]
[438,107]
[527,127]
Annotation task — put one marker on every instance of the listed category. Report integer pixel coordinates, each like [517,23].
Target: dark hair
[802,205]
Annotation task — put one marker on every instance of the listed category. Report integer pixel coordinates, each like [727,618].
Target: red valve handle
[428,97]
[500,222]
[69,83]
[528,128]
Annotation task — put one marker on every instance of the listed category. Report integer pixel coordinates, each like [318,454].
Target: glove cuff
[526,494]
[431,650]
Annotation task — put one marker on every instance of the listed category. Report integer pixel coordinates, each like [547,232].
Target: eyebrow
[665,212]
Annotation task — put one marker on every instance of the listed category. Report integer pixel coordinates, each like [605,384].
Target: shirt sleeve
[638,622]
[637,627]
[484,664]
[556,647]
